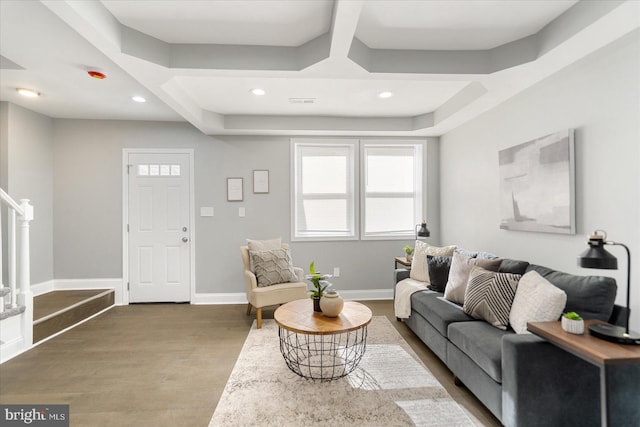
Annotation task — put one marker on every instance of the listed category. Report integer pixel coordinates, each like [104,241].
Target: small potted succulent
[572,322]
[320,285]
[408,250]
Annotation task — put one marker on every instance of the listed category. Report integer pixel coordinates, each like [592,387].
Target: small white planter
[573,326]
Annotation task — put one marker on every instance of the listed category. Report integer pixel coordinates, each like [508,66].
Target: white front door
[159,227]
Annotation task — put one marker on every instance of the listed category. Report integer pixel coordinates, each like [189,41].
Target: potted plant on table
[572,322]
[408,250]
[320,285]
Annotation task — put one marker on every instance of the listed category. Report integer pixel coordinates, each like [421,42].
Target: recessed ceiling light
[258,92]
[385,94]
[28,92]
[138,98]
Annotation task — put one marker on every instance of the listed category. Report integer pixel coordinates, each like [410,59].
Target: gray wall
[27,170]
[88,183]
[599,98]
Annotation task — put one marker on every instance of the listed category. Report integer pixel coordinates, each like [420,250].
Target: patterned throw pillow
[272,267]
[536,300]
[459,275]
[419,267]
[489,296]
[438,272]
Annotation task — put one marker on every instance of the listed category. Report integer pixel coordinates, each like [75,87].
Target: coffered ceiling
[321,63]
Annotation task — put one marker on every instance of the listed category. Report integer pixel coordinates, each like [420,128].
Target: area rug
[391,387]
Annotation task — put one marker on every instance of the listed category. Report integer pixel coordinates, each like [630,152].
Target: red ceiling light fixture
[97,74]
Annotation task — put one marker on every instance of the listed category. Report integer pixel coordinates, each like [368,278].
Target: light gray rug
[391,387]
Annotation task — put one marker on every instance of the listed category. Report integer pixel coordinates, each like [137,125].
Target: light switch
[206,211]
[241,212]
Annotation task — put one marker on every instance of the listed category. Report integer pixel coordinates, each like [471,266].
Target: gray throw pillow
[272,267]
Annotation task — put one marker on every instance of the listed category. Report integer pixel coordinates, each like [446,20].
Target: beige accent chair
[270,295]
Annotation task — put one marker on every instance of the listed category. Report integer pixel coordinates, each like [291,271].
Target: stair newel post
[26,295]
[11,256]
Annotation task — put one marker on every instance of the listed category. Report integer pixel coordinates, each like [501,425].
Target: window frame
[351,195]
[420,162]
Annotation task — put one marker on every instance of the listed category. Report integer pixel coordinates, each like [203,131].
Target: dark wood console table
[619,369]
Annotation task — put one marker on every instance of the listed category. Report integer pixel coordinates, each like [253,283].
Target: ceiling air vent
[302,100]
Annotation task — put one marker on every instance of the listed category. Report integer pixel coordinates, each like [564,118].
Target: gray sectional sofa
[522,379]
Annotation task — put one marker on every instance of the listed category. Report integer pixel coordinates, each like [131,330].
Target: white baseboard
[43,287]
[220,298]
[241,298]
[12,349]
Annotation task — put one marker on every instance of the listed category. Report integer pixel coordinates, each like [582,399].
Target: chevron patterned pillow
[489,296]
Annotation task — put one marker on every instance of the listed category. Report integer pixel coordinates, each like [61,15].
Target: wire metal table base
[323,357]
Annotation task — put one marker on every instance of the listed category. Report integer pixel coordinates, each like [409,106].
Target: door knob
[185,239]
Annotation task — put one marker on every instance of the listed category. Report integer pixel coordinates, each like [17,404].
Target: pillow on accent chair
[419,268]
[459,275]
[438,272]
[489,296]
[272,267]
[264,245]
[536,300]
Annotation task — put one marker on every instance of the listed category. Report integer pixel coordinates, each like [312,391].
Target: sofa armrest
[299,273]
[545,385]
[400,274]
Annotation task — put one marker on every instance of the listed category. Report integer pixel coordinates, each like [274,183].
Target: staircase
[16,298]
[56,311]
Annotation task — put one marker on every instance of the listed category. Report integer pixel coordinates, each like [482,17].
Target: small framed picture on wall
[260,181]
[234,189]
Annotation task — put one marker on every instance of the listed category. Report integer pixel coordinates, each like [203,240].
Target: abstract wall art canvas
[537,187]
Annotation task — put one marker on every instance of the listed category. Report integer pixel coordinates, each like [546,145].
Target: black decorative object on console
[598,257]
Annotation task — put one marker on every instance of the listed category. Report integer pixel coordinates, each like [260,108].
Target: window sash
[324,226]
[402,224]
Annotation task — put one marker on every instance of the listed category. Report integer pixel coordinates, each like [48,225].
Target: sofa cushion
[459,275]
[513,266]
[437,311]
[482,343]
[419,268]
[438,272]
[536,300]
[489,296]
[592,297]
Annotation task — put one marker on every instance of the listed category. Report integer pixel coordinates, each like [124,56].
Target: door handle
[185,239]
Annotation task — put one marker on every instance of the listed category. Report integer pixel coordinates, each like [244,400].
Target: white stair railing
[17,264]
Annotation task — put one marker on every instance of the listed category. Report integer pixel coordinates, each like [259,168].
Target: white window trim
[421,163]
[355,188]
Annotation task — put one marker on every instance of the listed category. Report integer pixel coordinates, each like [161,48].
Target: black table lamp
[422,230]
[598,257]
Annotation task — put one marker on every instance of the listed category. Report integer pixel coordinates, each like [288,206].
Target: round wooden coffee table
[318,347]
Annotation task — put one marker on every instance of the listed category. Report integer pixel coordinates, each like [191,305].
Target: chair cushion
[437,311]
[590,296]
[273,266]
[536,300]
[482,343]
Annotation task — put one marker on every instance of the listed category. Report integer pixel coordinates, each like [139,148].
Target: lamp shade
[423,231]
[597,256]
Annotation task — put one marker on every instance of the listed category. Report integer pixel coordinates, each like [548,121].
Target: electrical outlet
[336,271]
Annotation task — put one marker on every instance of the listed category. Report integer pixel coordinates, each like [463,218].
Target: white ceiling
[446,62]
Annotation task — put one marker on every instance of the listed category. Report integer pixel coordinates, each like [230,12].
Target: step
[58,310]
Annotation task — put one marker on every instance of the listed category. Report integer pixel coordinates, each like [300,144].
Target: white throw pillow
[419,266]
[461,266]
[536,300]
